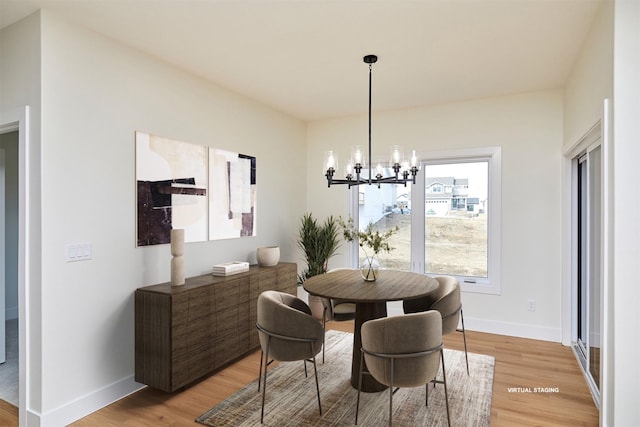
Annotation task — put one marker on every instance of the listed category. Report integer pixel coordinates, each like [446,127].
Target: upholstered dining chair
[287,332]
[403,351]
[448,302]
[336,310]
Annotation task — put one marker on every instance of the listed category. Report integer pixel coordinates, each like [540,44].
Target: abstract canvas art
[232,201]
[172,180]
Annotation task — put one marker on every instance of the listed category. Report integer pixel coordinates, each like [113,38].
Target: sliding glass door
[588,214]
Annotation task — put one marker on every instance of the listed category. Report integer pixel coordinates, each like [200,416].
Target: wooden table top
[391,285]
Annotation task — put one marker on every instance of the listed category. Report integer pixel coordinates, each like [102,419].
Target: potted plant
[318,242]
[370,238]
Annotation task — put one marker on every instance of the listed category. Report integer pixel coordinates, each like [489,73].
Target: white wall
[624,409]
[96,93]
[528,127]
[591,79]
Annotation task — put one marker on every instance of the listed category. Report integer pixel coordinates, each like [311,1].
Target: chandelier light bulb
[396,155]
[404,167]
[331,162]
[349,169]
[414,159]
[357,155]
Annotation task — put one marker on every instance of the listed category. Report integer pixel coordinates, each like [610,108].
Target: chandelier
[404,170]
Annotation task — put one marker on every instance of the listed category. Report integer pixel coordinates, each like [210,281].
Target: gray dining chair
[336,310]
[287,332]
[403,351]
[448,302]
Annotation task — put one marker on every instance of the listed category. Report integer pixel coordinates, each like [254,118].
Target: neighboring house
[444,194]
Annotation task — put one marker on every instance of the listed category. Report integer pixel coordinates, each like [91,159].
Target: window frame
[492,283]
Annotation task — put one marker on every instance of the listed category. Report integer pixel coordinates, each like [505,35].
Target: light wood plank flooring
[519,363]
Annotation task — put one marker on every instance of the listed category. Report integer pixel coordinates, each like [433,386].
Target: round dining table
[371,302]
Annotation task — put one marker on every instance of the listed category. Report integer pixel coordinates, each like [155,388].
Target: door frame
[18,119]
[3,336]
[602,130]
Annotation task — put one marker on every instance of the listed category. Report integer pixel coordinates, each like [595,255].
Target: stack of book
[229,268]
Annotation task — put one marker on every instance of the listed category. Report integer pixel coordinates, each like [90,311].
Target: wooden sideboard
[183,333]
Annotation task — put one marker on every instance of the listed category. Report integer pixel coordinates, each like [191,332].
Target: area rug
[291,398]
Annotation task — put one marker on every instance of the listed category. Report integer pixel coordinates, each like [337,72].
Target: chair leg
[264,386]
[446,395]
[426,394]
[464,338]
[324,329]
[359,385]
[391,397]
[315,371]
[260,371]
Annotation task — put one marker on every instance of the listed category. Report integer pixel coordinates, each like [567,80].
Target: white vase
[268,256]
[369,269]
[177,262]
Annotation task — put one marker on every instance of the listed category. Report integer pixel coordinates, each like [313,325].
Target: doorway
[9,343]
[17,121]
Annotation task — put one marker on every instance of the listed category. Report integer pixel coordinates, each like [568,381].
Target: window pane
[456,206]
[387,207]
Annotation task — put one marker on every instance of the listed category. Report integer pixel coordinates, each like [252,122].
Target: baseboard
[33,419]
[497,327]
[520,330]
[87,404]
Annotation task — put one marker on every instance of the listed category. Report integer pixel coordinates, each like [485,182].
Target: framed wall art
[232,201]
[172,180]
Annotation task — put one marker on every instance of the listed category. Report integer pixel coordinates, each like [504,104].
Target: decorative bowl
[268,256]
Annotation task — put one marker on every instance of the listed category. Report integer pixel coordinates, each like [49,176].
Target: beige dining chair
[336,310]
[403,351]
[287,332]
[448,302]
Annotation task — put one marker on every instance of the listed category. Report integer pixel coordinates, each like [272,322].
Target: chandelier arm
[349,182]
[393,180]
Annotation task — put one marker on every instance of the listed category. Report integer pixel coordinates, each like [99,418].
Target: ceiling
[304,57]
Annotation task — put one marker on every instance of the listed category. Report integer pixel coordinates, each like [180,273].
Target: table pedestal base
[365,311]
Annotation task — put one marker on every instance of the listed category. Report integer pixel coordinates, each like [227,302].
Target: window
[456,238]
[451,227]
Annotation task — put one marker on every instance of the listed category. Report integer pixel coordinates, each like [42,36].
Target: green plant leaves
[318,243]
[373,239]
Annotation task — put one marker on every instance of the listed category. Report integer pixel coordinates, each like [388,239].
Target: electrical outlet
[531,305]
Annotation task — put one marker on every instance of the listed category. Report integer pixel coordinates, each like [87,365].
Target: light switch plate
[78,252]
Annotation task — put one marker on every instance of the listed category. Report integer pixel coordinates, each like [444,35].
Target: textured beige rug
[291,398]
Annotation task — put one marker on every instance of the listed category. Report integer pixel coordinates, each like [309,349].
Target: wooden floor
[520,363]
